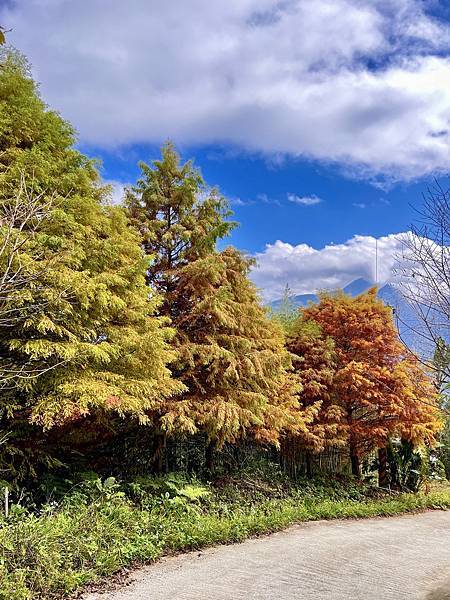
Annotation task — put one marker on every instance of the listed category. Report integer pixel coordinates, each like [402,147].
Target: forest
[150,402]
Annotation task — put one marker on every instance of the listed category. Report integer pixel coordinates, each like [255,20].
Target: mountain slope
[358,286]
[403,314]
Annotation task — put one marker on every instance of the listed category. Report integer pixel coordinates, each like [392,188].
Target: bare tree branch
[23,265]
[423,273]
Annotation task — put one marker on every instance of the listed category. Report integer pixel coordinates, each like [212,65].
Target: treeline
[124,326]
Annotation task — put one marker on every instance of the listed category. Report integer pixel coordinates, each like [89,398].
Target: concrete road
[399,558]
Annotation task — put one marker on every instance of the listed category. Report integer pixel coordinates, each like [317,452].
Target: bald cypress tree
[379,390]
[231,357]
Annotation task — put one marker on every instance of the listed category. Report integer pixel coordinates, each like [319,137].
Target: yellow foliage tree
[78,329]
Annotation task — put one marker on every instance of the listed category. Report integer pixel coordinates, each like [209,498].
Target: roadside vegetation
[102,526]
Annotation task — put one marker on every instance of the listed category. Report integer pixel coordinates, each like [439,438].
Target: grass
[95,532]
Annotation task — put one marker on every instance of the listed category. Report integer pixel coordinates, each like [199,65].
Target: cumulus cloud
[117,190]
[363,83]
[304,200]
[307,269]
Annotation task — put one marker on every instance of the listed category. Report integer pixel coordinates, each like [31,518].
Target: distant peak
[358,286]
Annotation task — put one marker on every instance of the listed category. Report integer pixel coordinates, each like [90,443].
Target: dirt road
[401,558]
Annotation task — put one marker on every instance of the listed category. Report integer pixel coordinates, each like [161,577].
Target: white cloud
[363,83]
[266,199]
[304,200]
[359,204]
[117,193]
[307,270]
[239,202]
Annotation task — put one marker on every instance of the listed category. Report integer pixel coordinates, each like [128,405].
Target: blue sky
[320,120]
[261,193]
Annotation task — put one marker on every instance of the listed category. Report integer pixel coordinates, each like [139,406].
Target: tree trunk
[160,452]
[210,455]
[308,461]
[354,458]
[382,468]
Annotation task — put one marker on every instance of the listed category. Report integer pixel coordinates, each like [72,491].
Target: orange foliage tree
[231,359]
[313,359]
[377,389]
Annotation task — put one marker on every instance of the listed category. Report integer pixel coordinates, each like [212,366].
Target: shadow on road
[440,593]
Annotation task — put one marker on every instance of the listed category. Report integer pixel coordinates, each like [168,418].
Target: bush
[102,526]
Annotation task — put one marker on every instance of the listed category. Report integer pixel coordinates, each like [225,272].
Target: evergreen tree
[84,336]
[231,356]
[286,314]
[179,219]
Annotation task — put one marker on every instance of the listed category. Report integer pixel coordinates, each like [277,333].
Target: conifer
[314,362]
[84,336]
[231,357]
[381,388]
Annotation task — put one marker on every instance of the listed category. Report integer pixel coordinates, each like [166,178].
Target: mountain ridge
[354,288]
[387,293]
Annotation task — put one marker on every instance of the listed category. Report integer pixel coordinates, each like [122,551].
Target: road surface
[398,558]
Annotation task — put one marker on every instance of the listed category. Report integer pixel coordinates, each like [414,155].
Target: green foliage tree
[80,335]
[179,219]
[286,314]
[231,356]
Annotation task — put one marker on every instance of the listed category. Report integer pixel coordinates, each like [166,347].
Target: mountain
[358,286]
[403,314]
[302,300]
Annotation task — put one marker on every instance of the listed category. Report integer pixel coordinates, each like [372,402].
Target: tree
[23,263]
[78,333]
[179,220]
[441,363]
[20,217]
[314,361]
[287,312]
[2,35]
[95,342]
[423,270]
[231,358]
[382,390]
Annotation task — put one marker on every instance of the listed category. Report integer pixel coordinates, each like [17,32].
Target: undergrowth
[101,526]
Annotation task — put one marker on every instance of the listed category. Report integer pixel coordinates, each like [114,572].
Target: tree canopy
[376,389]
[80,333]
